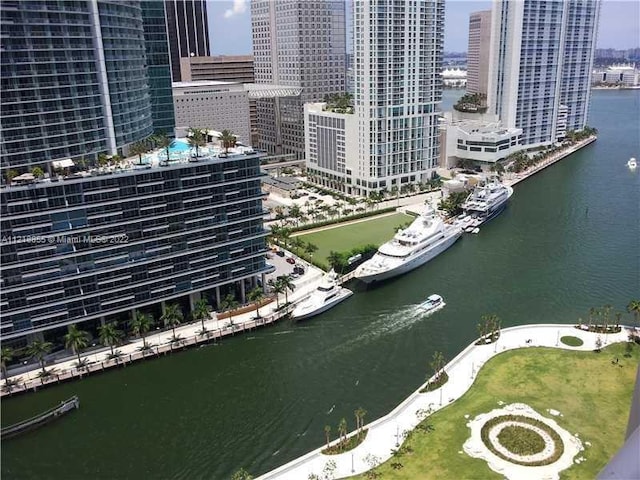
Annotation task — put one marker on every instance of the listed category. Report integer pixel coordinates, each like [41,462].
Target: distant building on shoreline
[616,75]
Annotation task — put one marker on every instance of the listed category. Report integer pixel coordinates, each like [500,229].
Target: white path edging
[475,447]
[387,432]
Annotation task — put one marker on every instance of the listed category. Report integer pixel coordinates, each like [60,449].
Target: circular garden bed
[522,440]
[571,341]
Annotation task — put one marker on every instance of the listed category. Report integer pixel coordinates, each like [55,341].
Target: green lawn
[593,394]
[343,239]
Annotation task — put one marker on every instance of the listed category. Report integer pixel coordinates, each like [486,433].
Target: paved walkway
[159,338]
[383,433]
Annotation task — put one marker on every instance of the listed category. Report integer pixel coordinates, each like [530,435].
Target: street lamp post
[472,369]
[397,435]
[353,470]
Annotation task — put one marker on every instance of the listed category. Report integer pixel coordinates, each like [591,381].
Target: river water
[569,240]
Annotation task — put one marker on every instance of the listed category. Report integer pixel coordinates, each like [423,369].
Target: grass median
[345,238]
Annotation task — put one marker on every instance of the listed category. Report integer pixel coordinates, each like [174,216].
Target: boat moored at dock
[427,237]
[328,294]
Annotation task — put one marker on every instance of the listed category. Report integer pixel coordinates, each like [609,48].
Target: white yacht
[327,295]
[487,201]
[632,164]
[425,238]
[432,303]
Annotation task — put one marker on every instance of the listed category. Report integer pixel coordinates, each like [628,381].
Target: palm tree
[287,284]
[359,414]
[76,340]
[172,317]
[634,308]
[6,356]
[436,365]
[277,288]
[38,349]
[163,141]
[201,311]
[327,433]
[109,335]
[140,325]
[310,248]
[139,148]
[342,430]
[196,138]
[335,261]
[241,474]
[228,140]
[229,304]
[256,296]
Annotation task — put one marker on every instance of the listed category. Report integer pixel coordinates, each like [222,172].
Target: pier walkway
[386,434]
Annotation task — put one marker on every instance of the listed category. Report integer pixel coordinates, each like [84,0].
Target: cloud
[239,6]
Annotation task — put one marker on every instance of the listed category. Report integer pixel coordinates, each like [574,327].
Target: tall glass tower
[75,81]
[540,66]
[158,66]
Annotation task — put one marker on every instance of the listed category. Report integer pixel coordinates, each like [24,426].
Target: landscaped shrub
[349,444]
[559,446]
[571,341]
[444,378]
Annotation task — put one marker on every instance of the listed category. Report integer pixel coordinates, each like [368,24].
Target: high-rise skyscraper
[390,138]
[540,66]
[158,65]
[398,49]
[81,78]
[74,81]
[297,43]
[478,52]
[188,30]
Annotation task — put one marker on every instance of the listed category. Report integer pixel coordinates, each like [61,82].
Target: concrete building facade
[478,52]
[540,66]
[214,106]
[301,44]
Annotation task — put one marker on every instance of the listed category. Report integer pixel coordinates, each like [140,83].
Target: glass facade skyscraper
[92,248]
[188,30]
[158,66]
[77,79]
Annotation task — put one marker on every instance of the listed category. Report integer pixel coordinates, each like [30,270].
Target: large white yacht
[327,295]
[487,201]
[425,238]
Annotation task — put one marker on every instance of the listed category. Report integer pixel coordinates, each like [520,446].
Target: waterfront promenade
[160,339]
[387,433]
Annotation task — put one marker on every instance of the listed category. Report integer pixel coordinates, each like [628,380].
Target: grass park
[347,237]
[591,390]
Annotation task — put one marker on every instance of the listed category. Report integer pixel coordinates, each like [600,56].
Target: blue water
[179,146]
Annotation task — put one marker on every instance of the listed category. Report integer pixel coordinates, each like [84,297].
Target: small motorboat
[432,303]
[475,230]
[632,164]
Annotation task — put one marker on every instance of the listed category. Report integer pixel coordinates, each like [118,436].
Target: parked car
[280,253]
[291,260]
[298,270]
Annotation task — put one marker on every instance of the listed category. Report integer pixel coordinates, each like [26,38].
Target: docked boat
[632,164]
[427,237]
[487,201]
[327,295]
[432,303]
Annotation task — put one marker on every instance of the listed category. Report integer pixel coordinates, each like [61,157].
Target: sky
[230,24]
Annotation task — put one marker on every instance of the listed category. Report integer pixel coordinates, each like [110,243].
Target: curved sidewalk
[386,433]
